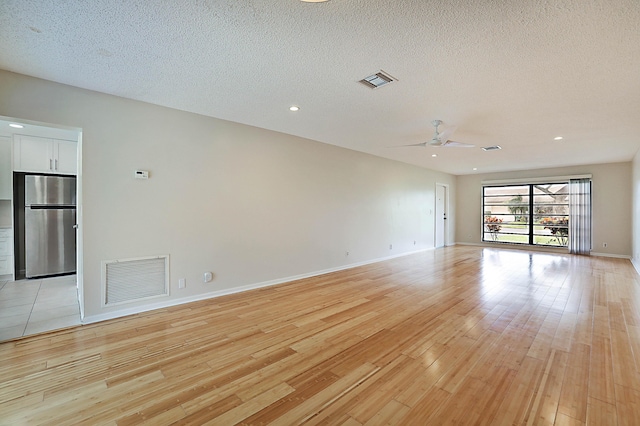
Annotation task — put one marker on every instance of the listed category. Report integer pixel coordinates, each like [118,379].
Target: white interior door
[441,215]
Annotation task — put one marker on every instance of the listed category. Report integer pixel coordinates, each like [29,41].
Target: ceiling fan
[441,139]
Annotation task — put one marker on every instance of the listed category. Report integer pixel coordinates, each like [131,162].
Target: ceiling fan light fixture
[441,139]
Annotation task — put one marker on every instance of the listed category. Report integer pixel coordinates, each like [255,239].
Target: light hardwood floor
[462,335]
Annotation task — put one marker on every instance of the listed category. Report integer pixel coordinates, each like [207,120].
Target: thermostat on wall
[142,174]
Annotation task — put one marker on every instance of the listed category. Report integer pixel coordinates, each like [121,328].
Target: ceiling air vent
[378,79]
[491,148]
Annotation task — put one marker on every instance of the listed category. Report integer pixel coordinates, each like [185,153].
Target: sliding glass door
[535,214]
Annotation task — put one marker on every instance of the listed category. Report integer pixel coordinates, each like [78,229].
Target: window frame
[530,212]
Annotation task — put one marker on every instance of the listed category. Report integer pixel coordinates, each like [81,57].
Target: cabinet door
[6,248]
[65,157]
[6,265]
[5,168]
[33,154]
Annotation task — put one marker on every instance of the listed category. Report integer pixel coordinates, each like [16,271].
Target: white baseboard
[543,249]
[203,296]
[617,256]
[522,247]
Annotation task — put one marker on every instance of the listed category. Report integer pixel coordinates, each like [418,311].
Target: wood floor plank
[564,332]
[601,383]
[426,374]
[460,335]
[389,414]
[541,345]
[246,409]
[634,338]
[459,367]
[575,387]
[546,402]
[310,407]
[519,399]
[627,406]
[601,413]
[428,407]
[624,368]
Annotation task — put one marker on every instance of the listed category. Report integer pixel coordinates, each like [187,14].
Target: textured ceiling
[509,73]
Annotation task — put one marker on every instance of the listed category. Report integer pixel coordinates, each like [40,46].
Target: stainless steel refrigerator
[50,225]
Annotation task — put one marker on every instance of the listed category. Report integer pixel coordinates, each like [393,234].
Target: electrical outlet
[182,283]
[208,276]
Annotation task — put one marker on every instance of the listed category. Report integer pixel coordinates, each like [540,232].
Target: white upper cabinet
[5,168]
[66,156]
[32,154]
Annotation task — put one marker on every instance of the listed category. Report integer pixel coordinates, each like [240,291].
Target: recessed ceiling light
[558,138]
[434,155]
[294,108]
[16,126]
[475,168]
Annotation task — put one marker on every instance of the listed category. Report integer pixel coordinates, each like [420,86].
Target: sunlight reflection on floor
[501,269]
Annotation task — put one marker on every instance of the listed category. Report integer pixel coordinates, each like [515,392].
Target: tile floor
[37,305]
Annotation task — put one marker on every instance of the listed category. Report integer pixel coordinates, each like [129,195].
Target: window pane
[552,230]
[506,214]
[555,188]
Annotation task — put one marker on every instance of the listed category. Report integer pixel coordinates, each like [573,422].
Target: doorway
[59,300]
[441,212]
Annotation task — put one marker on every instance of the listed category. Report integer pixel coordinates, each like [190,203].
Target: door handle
[50,164]
[56,162]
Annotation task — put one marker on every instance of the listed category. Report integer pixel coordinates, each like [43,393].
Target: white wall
[611,198]
[251,205]
[635,234]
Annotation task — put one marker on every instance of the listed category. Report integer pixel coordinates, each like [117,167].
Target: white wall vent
[129,280]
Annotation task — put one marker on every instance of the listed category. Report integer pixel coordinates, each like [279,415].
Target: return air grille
[378,79]
[135,279]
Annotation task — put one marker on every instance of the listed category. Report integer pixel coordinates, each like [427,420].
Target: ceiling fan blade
[454,144]
[414,144]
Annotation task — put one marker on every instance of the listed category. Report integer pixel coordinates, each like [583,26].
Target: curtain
[580,216]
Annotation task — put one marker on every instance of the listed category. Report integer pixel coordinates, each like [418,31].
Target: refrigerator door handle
[50,164]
